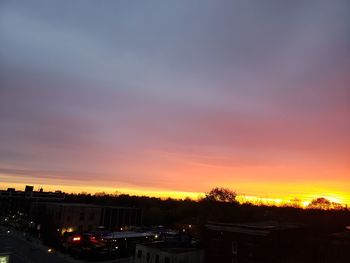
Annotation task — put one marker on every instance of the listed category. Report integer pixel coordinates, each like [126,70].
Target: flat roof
[85,205]
[31,195]
[262,228]
[341,235]
[170,247]
[127,234]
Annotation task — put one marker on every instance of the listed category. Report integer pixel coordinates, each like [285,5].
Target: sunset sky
[173,98]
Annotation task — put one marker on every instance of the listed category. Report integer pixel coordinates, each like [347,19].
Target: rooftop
[171,247]
[12,193]
[345,235]
[83,205]
[262,228]
[127,234]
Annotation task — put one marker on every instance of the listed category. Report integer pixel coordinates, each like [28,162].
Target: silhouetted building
[12,201]
[83,217]
[337,248]
[29,188]
[258,242]
[168,252]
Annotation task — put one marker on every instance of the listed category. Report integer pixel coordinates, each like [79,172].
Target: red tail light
[76,239]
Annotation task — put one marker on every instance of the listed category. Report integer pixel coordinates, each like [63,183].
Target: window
[157,259]
[139,253]
[58,215]
[92,216]
[166,260]
[82,216]
[234,248]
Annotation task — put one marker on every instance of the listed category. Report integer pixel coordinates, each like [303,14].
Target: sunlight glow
[286,200]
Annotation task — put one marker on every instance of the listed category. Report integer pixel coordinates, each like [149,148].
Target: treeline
[170,211]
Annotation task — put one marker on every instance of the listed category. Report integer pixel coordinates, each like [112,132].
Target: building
[104,244]
[257,242]
[69,217]
[168,252]
[336,247]
[12,201]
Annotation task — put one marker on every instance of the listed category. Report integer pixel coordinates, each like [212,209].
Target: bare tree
[221,194]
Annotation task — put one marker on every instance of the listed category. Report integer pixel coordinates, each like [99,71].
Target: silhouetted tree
[320,203]
[337,206]
[221,194]
[295,203]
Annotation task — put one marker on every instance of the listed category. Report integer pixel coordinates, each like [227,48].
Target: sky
[174,98]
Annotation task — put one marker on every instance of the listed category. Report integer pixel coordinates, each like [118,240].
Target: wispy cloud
[167,94]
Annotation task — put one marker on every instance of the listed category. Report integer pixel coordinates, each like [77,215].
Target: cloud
[144,93]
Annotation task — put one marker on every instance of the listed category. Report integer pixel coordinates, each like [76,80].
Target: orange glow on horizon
[282,200]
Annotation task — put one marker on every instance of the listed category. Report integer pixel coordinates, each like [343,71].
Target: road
[23,251]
